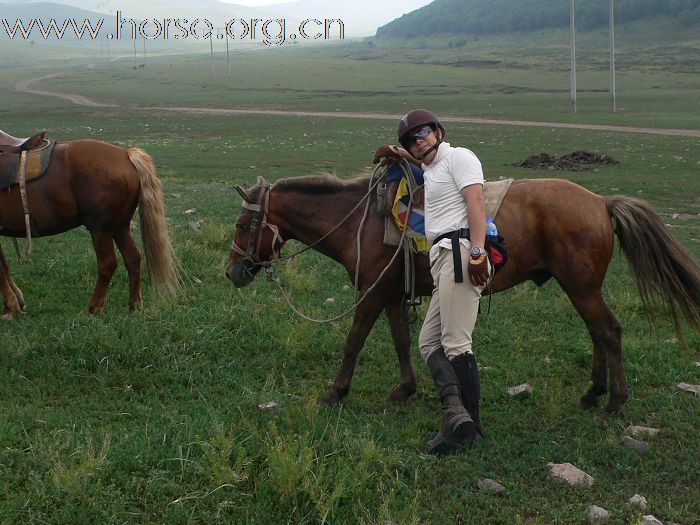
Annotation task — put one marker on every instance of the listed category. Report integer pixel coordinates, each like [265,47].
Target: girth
[455,236]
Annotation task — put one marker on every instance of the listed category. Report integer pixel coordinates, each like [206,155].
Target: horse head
[257,242]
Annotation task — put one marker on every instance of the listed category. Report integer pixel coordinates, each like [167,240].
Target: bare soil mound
[576,161]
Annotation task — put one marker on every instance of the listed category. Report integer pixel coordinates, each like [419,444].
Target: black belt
[455,236]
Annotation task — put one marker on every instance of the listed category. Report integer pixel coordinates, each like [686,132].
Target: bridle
[257,226]
[259,222]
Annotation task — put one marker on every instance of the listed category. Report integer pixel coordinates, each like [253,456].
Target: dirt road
[26,86]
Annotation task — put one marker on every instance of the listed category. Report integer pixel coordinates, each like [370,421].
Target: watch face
[476,251]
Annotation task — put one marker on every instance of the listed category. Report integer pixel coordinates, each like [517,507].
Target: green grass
[154,417]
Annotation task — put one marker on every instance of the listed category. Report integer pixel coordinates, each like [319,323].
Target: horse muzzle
[242,272]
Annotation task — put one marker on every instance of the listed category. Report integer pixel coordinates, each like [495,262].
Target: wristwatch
[477,251]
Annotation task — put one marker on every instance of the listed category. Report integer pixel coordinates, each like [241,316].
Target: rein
[269,267]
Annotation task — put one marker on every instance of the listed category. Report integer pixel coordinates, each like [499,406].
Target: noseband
[257,225]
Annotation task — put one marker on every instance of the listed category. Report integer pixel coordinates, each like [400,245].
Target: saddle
[388,194]
[8,142]
[38,155]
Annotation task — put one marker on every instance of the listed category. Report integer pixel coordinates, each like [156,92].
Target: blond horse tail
[163,270]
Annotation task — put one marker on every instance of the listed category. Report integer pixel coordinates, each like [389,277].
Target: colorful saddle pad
[494,193]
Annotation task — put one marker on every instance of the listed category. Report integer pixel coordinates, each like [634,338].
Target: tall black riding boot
[457,425]
[470,386]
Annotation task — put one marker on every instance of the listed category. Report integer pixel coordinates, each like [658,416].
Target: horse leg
[397,313]
[132,261]
[18,293]
[12,303]
[365,316]
[606,334]
[106,265]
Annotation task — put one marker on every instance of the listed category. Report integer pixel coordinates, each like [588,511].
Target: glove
[478,270]
[388,152]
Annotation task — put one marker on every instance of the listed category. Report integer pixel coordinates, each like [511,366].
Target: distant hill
[360,17]
[13,14]
[13,10]
[482,17]
[213,10]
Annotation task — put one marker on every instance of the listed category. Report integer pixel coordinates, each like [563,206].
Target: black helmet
[415,119]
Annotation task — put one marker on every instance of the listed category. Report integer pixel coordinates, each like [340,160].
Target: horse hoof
[332,397]
[401,393]
[587,403]
[11,314]
[615,407]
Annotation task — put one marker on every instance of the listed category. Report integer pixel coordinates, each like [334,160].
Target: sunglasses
[420,134]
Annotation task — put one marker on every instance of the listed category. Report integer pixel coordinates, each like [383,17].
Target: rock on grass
[640,446]
[490,485]
[638,501]
[523,390]
[695,389]
[638,431]
[597,515]
[572,475]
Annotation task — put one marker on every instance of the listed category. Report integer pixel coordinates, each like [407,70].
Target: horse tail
[665,272]
[163,270]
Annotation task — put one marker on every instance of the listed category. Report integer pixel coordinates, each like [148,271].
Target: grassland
[508,77]
[154,417]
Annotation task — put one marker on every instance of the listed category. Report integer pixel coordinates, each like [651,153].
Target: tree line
[482,17]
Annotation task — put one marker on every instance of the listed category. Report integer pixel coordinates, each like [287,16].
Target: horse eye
[241,227]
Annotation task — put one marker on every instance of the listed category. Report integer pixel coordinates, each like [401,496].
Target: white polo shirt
[445,208]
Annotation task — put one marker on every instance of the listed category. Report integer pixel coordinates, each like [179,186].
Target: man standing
[455,225]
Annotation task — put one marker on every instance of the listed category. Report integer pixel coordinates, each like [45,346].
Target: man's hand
[478,270]
[388,152]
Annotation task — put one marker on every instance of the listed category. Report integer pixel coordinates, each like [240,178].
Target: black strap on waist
[455,236]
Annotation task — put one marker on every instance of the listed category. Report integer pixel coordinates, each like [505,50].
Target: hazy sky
[256,3]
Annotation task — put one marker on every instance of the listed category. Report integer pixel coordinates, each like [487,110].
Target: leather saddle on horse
[38,156]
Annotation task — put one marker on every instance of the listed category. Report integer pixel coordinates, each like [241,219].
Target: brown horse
[97,185]
[554,228]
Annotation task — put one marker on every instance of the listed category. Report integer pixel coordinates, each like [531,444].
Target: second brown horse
[99,186]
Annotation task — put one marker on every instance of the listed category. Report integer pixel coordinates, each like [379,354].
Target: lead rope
[409,253]
[342,221]
[272,278]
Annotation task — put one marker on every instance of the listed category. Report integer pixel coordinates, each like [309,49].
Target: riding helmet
[414,119]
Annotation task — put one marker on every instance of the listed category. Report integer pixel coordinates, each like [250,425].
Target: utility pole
[613,102]
[211,50]
[228,56]
[573,58]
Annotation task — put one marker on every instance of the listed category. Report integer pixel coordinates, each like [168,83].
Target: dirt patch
[473,63]
[576,161]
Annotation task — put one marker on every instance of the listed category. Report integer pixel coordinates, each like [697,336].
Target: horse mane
[322,184]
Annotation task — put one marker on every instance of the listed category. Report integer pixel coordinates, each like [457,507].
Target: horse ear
[243,193]
[261,181]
